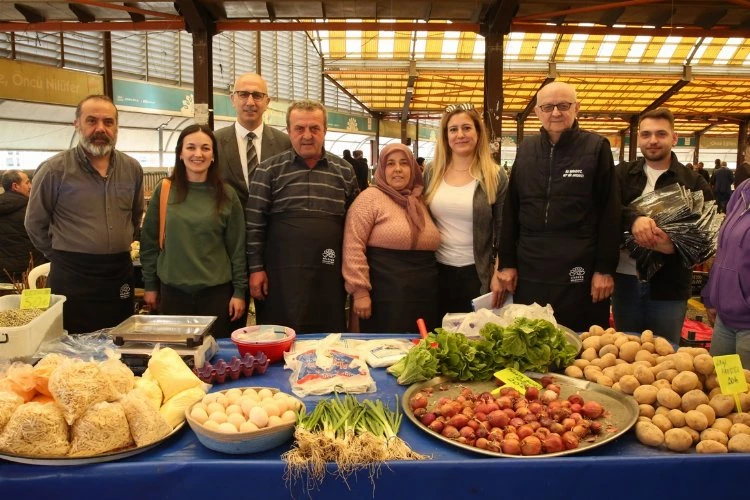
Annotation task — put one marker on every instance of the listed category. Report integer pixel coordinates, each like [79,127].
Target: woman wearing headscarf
[465,190]
[389,249]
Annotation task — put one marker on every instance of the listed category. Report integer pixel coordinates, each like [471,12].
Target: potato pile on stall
[65,407]
[681,404]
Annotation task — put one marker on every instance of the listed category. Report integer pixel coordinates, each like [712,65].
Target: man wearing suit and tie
[248,135]
[250,100]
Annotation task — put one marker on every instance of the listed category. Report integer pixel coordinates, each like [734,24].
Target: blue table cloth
[182,468]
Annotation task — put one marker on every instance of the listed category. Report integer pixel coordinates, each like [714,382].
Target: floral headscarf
[409,197]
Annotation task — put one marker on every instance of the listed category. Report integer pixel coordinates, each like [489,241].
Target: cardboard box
[23,341]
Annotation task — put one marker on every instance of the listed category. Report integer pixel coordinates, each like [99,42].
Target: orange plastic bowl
[273,340]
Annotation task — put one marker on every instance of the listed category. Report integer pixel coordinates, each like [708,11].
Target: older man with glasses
[560,235]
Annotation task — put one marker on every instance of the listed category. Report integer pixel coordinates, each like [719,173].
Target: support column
[633,149]
[741,145]
[204,78]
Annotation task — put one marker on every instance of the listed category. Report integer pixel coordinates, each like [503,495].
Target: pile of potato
[678,394]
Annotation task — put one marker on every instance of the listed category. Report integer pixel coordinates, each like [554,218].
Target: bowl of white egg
[244,420]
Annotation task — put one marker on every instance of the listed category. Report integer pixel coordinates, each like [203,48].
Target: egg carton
[246,366]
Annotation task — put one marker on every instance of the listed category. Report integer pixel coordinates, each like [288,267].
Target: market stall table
[182,468]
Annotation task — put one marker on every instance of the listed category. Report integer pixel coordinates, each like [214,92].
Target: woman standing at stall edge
[727,293]
[201,269]
[465,193]
[389,249]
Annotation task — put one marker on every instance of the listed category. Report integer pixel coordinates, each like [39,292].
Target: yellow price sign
[36,299]
[515,379]
[731,377]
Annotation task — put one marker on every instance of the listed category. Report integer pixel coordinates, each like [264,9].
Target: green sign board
[341,122]
[139,96]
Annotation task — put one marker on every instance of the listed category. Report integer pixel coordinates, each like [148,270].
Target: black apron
[303,264]
[556,269]
[98,289]
[404,288]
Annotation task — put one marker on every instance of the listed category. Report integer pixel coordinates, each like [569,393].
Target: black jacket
[673,280]
[15,245]
[562,208]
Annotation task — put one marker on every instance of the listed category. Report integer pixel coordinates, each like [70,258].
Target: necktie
[252,157]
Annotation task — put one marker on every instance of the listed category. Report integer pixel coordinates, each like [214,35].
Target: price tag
[36,299]
[515,379]
[731,377]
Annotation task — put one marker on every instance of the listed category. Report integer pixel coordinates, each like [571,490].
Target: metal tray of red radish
[620,410]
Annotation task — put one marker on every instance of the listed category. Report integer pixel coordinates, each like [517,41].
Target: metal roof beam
[345,91]
[610,17]
[660,16]
[127,7]
[197,18]
[583,10]
[82,13]
[709,17]
[570,29]
[236,25]
[500,16]
[29,13]
[409,94]
[67,26]
[135,16]
[687,77]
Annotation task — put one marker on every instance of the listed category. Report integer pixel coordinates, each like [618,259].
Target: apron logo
[125,291]
[572,172]
[576,274]
[329,256]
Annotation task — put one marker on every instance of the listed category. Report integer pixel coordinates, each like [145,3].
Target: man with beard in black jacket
[560,234]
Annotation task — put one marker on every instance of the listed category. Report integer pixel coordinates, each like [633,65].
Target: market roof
[692,56]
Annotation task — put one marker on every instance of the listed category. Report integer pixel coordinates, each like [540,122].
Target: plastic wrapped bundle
[102,428]
[146,424]
[36,430]
[688,220]
[9,401]
[76,385]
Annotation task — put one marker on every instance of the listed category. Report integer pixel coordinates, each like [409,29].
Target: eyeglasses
[244,95]
[561,106]
[464,106]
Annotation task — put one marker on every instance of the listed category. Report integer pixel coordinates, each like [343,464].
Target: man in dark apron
[295,222]
[84,211]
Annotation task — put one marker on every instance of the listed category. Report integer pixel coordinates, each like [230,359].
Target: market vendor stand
[182,468]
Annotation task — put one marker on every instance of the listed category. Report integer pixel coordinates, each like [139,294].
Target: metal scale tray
[186,330]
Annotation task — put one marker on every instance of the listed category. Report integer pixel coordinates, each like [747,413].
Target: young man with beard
[84,211]
[660,303]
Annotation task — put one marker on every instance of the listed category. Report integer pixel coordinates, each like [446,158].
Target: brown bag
[163,198]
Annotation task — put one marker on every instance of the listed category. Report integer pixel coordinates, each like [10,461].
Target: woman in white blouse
[465,193]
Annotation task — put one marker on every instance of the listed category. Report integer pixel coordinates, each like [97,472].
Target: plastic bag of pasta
[9,401]
[76,385]
[120,375]
[36,430]
[102,428]
[146,423]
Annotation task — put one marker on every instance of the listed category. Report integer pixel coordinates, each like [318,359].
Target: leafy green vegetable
[418,365]
[526,345]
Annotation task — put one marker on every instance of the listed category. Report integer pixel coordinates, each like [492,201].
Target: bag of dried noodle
[36,430]
[76,385]
[146,423]
[43,369]
[102,428]
[121,376]
[9,401]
